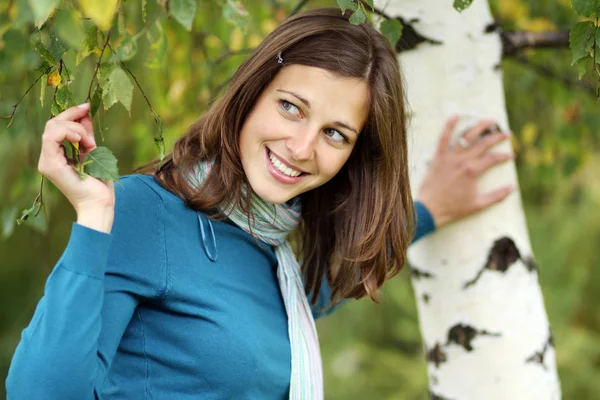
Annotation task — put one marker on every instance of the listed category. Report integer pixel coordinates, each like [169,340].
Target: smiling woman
[182,283]
[292,141]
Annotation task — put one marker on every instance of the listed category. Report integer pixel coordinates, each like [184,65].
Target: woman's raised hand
[93,199]
[449,189]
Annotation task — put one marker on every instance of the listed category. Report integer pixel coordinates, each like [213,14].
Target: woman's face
[301,131]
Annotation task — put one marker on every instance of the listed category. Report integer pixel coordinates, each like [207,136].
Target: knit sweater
[169,305]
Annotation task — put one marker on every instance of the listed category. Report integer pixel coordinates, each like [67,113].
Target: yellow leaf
[529,133]
[101,12]
[76,145]
[54,78]
[236,40]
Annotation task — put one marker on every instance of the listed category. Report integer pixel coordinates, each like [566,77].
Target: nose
[303,144]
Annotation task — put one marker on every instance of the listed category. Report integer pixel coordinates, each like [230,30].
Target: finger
[447,133]
[487,142]
[490,160]
[494,197]
[53,156]
[73,113]
[472,134]
[86,142]
[86,121]
[52,141]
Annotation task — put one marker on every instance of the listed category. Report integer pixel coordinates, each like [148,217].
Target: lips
[281,170]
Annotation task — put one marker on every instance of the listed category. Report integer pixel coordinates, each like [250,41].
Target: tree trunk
[481,311]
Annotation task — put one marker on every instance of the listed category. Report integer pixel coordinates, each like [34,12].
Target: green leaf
[69,26]
[347,5]
[45,54]
[236,14]
[126,49]
[101,164]
[96,101]
[158,46]
[35,208]
[461,5]
[582,67]
[64,98]
[392,30]
[57,48]
[116,87]
[371,4]
[89,45]
[585,8]
[42,10]
[44,81]
[582,40]
[101,12]
[105,70]
[184,12]
[358,17]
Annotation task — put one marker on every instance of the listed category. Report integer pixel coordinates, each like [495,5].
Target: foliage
[585,38]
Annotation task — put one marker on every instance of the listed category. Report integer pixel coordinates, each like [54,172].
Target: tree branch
[515,42]
[299,6]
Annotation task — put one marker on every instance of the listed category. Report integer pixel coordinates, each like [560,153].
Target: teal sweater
[169,306]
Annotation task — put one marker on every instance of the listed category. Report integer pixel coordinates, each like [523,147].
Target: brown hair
[355,229]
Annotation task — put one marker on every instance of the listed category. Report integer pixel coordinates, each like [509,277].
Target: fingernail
[84,105]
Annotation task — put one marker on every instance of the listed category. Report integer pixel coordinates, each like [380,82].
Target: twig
[231,53]
[89,96]
[299,6]
[12,116]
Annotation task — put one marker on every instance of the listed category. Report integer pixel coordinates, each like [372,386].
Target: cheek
[333,163]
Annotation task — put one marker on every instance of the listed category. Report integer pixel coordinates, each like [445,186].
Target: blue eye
[335,135]
[289,108]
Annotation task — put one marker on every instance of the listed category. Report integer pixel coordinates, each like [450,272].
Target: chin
[275,198]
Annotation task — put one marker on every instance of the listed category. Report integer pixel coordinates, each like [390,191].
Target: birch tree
[482,316]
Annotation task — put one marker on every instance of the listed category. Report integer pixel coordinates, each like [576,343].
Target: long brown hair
[355,229]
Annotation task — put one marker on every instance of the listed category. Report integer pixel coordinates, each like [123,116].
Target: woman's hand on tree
[449,190]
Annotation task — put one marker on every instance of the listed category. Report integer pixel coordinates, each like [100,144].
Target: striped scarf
[271,224]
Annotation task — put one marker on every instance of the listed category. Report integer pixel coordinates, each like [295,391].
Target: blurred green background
[370,351]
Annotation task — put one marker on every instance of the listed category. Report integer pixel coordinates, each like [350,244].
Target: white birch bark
[481,311]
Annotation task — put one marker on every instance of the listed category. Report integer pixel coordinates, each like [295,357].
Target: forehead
[329,95]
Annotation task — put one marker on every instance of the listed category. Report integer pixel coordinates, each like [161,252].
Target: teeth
[282,167]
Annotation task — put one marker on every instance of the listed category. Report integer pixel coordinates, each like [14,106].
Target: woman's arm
[89,299]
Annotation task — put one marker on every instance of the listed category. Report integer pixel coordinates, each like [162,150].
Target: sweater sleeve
[424,221]
[89,299]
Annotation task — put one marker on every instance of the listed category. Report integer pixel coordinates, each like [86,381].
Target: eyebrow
[307,104]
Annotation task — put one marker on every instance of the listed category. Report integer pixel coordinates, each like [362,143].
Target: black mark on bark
[463,335]
[426,298]
[418,273]
[436,355]
[435,396]
[504,253]
[538,356]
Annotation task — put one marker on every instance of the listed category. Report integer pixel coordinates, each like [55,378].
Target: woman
[182,285]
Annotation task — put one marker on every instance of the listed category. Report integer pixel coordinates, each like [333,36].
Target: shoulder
[138,246]
[139,206]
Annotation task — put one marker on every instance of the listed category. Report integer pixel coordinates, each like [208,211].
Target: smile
[281,170]
[282,167]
